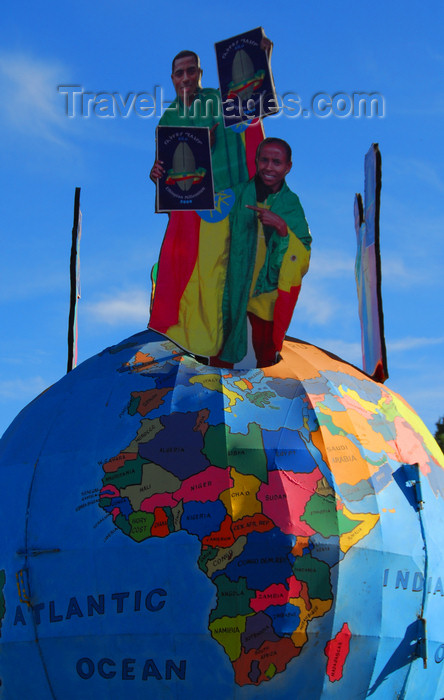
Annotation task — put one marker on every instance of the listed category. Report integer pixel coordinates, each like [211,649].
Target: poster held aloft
[187,184]
[368,269]
[245,78]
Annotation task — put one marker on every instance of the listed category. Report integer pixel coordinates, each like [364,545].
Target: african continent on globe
[170,529]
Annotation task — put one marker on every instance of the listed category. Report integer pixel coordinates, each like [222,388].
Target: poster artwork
[368,269]
[245,78]
[188,181]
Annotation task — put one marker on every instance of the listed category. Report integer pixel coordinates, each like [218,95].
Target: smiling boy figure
[269,254]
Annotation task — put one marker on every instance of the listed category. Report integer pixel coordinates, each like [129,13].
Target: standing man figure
[187,305]
[197,106]
[269,254]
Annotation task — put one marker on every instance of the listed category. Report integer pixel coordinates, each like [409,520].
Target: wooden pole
[74,293]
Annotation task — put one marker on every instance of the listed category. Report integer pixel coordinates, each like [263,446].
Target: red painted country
[336,651]
[118,461]
[277,653]
[252,523]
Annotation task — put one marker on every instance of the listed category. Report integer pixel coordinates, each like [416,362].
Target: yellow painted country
[369,406]
[227,631]
[241,499]
[213,382]
[415,421]
[367,522]
[318,609]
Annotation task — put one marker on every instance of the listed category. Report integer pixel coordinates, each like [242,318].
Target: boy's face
[272,165]
[186,78]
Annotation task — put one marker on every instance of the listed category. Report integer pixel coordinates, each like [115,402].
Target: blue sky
[343,47]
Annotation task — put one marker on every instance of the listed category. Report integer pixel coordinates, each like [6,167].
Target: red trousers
[262,338]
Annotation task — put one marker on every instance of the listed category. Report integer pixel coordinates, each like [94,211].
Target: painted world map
[275,477]
[177,530]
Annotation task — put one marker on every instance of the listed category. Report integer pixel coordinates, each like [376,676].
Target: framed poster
[187,184]
[245,79]
[368,269]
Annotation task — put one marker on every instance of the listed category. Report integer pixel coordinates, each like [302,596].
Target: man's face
[272,165]
[186,78]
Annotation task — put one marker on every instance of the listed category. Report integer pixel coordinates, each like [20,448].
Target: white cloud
[314,306]
[32,104]
[331,264]
[30,101]
[416,169]
[324,300]
[396,271]
[410,343]
[22,388]
[124,306]
[348,351]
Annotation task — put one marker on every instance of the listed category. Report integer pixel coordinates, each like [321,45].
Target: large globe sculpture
[172,530]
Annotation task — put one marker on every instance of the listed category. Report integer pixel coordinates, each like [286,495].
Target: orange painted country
[223,537]
[118,461]
[343,457]
[159,528]
[150,399]
[252,523]
[354,423]
[142,359]
[301,544]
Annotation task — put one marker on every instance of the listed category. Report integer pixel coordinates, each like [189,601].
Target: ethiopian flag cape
[187,304]
[265,270]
